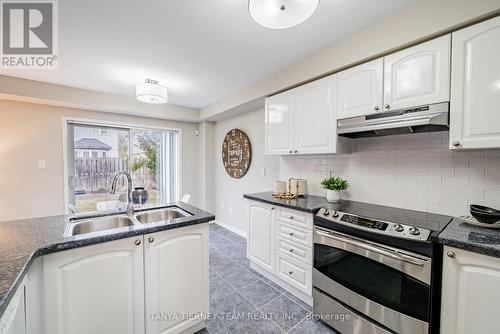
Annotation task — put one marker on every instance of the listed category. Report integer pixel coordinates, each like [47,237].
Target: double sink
[77,225]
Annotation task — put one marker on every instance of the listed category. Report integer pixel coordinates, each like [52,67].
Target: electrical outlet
[262,172]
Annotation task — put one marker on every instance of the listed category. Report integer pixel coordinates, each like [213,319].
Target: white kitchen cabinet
[315,117]
[280,247]
[418,75]
[303,120]
[261,235]
[279,125]
[176,279]
[475,87]
[470,293]
[95,289]
[360,90]
[13,320]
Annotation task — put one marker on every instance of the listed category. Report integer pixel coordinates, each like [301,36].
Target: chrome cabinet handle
[455,143]
[291,217]
[291,250]
[296,151]
[151,240]
[450,254]
[291,151]
[137,242]
[291,234]
[290,273]
[387,106]
[377,108]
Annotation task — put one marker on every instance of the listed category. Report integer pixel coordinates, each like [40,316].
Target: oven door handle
[386,252]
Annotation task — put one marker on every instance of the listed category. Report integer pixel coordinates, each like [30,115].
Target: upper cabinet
[418,75]
[279,124]
[360,89]
[303,120]
[475,87]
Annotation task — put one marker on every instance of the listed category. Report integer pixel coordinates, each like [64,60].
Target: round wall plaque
[236,153]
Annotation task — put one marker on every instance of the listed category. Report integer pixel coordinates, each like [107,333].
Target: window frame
[66,120]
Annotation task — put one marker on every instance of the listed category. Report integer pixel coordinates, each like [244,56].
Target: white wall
[31,132]
[416,172]
[230,206]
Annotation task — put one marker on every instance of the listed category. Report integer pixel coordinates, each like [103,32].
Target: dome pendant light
[281,14]
[151,92]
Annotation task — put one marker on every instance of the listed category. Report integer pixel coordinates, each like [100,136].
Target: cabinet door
[13,320]
[475,87]
[96,289]
[418,75]
[315,117]
[176,273]
[279,129]
[470,293]
[360,90]
[261,235]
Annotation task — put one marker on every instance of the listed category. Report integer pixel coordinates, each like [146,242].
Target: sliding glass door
[97,152]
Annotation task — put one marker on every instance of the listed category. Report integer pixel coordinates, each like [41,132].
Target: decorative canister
[140,195]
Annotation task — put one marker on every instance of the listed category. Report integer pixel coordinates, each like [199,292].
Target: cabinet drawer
[294,233]
[295,273]
[298,252]
[294,218]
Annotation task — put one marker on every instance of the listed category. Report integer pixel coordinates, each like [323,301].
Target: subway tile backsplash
[415,172]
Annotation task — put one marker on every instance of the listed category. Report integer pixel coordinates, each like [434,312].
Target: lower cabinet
[470,293]
[280,247]
[95,289]
[176,277]
[261,236]
[157,283]
[13,320]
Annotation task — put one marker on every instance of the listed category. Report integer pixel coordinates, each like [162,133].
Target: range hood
[429,118]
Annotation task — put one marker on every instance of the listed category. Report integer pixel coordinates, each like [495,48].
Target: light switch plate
[42,164]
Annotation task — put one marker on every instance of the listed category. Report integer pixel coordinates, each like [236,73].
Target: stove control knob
[414,230]
[326,212]
[398,228]
[335,214]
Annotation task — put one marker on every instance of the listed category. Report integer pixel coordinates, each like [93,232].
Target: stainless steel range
[381,272]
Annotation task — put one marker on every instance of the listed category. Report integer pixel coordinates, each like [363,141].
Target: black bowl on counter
[481,208]
[484,214]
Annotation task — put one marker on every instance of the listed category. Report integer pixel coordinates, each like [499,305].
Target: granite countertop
[311,204]
[21,241]
[308,203]
[472,238]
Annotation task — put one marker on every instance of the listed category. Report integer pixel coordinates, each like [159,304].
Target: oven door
[388,285]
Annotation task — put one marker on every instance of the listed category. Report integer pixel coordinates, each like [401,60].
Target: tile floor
[243,301]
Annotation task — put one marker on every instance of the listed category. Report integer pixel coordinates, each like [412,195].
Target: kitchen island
[42,242]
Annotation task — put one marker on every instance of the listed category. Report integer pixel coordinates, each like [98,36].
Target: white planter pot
[333,196]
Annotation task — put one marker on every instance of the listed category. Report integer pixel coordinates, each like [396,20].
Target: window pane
[97,159]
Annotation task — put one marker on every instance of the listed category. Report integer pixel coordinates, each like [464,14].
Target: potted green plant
[334,185]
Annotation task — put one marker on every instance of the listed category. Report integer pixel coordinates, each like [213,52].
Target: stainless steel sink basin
[88,225]
[159,215]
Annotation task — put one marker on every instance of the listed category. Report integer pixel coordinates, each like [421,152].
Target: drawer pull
[291,234]
[291,250]
[290,273]
[291,217]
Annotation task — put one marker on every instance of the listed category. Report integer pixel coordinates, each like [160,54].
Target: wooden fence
[94,175]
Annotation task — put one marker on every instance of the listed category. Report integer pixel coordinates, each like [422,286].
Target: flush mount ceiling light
[281,14]
[151,92]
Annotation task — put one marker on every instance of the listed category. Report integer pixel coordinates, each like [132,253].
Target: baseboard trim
[230,227]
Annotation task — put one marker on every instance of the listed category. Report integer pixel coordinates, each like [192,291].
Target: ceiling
[201,50]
